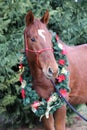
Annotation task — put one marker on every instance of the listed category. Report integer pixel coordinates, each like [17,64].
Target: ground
[76,122]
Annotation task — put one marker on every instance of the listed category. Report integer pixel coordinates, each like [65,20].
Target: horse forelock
[37,28]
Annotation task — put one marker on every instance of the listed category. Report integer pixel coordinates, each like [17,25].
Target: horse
[43,67]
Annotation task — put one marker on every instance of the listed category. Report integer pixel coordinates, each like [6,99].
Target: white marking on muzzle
[40,32]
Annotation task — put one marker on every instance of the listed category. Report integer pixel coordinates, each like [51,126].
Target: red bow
[21,66]
[63,52]
[61,62]
[61,78]
[21,79]
[23,93]
[36,104]
[63,92]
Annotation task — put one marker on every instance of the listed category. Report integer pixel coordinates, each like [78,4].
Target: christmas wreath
[42,107]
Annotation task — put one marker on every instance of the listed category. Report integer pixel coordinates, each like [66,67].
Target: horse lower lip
[48,76]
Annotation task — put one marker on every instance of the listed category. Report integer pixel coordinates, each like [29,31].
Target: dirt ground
[76,124]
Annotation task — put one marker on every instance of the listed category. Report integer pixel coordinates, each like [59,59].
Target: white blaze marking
[40,32]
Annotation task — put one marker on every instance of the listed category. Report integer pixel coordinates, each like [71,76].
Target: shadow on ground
[77,122]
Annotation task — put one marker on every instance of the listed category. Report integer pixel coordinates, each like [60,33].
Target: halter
[37,52]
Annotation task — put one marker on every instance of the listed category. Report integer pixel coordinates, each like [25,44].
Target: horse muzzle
[50,72]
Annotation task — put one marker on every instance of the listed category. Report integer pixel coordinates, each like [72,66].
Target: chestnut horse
[43,66]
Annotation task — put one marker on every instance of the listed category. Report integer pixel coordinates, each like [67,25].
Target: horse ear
[29,18]
[45,18]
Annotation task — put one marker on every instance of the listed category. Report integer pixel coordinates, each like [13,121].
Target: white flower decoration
[60,46]
[33,109]
[23,84]
[21,58]
[64,71]
[76,0]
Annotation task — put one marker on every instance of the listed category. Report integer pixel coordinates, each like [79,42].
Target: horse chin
[50,77]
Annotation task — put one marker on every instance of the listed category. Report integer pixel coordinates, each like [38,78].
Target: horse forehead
[37,29]
[42,34]
[38,32]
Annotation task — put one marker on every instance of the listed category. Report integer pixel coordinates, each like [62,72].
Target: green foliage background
[67,17]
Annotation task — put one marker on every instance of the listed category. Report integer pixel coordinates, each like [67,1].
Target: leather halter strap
[37,52]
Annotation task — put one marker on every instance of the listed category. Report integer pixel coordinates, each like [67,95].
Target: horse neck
[41,84]
[35,71]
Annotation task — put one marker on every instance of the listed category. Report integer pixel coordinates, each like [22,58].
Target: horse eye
[33,39]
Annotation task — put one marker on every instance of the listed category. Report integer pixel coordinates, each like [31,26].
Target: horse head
[38,45]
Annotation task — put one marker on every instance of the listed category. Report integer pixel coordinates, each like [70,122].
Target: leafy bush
[69,20]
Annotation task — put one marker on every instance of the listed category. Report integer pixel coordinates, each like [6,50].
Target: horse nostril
[50,71]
